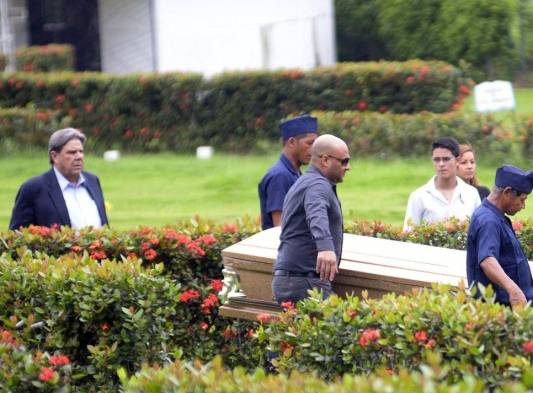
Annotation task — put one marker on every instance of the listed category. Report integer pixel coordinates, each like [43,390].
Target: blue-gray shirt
[311,222]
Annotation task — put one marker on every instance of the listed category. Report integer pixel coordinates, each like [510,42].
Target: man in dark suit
[65,195]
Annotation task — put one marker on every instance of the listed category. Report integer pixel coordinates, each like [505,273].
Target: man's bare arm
[495,273]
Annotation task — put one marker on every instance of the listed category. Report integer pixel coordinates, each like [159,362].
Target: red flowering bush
[392,135]
[358,336]
[153,112]
[22,371]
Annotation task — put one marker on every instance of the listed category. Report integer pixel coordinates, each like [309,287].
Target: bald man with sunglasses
[445,195]
[311,225]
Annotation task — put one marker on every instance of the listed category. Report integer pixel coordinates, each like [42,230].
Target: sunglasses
[443,159]
[343,161]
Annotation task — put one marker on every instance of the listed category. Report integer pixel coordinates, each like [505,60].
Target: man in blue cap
[494,255]
[298,136]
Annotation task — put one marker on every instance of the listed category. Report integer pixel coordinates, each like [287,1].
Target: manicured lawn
[160,189]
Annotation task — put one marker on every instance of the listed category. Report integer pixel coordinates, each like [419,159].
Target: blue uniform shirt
[312,222]
[491,234]
[274,187]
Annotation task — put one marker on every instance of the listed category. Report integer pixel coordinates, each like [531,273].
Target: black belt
[289,273]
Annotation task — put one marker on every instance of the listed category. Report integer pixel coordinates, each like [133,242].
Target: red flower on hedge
[195,249]
[410,80]
[362,105]
[60,99]
[150,255]
[6,337]
[95,244]
[421,336]
[528,347]
[98,255]
[431,343]
[263,317]
[228,333]
[40,230]
[208,240]
[76,248]
[183,239]
[229,228]
[518,226]
[209,302]
[287,305]
[105,327]
[59,360]
[129,134]
[46,374]
[88,107]
[463,89]
[217,285]
[368,336]
[42,116]
[204,326]
[189,295]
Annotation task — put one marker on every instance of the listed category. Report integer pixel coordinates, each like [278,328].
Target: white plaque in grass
[204,152]
[494,96]
[111,155]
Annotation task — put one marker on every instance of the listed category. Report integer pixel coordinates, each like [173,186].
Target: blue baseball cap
[516,178]
[299,125]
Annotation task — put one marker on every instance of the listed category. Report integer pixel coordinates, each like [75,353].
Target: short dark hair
[446,142]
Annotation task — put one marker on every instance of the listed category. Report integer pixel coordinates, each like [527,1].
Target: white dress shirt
[427,204]
[82,209]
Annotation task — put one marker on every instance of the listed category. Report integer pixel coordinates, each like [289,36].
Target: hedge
[357,336]
[106,314]
[367,133]
[23,371]
[46,58]
[389,135]
[234,111]
[213,377]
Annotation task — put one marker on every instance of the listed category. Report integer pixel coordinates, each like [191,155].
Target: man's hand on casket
[326,265]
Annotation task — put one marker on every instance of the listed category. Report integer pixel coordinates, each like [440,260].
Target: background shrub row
[44,58]
[367,133]
[235,110]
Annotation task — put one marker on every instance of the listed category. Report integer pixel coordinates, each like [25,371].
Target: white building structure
[212,36]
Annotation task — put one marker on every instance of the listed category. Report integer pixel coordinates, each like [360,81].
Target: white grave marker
[494,96]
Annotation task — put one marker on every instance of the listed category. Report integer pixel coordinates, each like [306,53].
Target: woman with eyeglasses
[466,169]
[445,195]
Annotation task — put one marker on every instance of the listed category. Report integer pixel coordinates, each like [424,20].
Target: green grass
[161,189]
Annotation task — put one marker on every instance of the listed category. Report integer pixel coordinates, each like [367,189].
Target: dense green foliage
[480,35]
[357,336]
[389,135]
[86,295]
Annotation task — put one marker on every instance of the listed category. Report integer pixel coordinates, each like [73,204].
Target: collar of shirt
[497,212]
[314,169]
[457,192]
[64,183]
[287,163]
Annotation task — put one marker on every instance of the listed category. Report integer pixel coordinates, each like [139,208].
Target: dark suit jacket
[40,201]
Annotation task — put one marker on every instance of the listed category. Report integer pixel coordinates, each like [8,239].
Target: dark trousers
[290,288]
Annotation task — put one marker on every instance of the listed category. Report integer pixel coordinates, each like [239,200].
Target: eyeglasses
[343,161]
[441,159]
